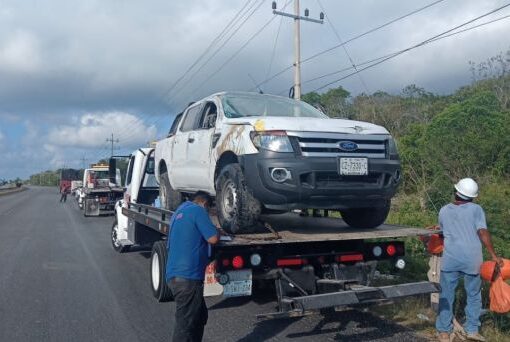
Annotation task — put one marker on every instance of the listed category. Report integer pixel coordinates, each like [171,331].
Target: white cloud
[9,117]
[92,130]
[20,52]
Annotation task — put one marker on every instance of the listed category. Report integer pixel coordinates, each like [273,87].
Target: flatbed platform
[282,228]
[292,228]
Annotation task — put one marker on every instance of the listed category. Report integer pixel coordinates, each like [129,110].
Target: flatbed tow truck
[312,263]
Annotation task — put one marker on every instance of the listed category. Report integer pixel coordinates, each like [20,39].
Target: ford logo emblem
[348,146]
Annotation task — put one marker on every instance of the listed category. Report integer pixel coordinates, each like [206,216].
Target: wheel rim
[228,200]
[115,240]
[155,271]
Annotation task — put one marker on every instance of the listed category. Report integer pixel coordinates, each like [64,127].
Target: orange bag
[500,296]
[435,244]
[487,270]
[488,267]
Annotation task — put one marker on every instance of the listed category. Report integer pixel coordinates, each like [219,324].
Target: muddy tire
[169,198]
[159,286]
[366,217]
[238,211]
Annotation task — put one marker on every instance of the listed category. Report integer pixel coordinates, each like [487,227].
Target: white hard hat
[467,187]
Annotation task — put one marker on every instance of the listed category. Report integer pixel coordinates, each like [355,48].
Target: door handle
[191,140]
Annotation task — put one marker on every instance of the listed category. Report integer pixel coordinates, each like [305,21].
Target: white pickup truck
[261,153]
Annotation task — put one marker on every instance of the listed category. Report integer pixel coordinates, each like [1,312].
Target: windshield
[243,105]
[100,174]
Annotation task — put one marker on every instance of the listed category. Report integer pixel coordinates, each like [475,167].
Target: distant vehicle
[99,191]
[67,176]
[75,185]
[262,153]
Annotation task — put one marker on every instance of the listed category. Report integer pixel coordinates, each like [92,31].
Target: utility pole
[112,141]
[83,160]
[297,41]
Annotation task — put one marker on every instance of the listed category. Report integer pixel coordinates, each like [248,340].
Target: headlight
[392,147]
[276,141]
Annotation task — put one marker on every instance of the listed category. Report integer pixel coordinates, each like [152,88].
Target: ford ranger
[261,153]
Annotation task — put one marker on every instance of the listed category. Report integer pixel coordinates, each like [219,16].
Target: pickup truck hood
[308,125]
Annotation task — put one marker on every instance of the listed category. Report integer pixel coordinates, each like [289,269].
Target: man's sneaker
[475,337]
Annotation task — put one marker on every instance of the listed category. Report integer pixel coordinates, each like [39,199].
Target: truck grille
[328,180]
[317,144]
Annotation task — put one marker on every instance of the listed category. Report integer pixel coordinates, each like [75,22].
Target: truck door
[199,149]
[179,169]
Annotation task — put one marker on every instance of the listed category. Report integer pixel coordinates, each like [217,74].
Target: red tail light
[225,262]
[391,250]
[290,262]
[349,257]
[238,262]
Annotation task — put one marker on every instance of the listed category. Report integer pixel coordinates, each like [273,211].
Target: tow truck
[329,266]
[99,192]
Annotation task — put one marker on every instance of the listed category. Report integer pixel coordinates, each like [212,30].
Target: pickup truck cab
[140,188]
[262,153]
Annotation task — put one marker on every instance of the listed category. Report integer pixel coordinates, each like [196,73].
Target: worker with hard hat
[464,230]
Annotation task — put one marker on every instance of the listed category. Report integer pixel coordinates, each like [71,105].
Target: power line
[435,37]
[128,128]
[238,50]
[372,30]
[274,48]
[218,49]
[353,38]
[344,47]
[397,52]
[206,51]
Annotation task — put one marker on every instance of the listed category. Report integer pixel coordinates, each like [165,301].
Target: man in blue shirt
[191,230]
[464,230]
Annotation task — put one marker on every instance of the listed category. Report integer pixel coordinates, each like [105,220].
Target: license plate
[239,285]
[353,166]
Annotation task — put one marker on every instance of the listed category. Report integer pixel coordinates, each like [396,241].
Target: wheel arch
[160,169]
[227,157]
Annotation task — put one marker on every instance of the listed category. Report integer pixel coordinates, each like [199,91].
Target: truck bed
[286,228]
[293,228]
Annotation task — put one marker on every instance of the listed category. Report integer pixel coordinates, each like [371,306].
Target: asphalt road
[60,280]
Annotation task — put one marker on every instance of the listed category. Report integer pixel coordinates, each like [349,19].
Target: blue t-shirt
[190,228]
[462,246]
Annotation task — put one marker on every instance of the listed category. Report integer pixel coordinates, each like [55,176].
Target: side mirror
[112,170]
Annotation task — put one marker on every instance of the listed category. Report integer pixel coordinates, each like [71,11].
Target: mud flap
[91,207]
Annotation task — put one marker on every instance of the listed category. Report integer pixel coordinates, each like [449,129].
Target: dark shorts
[190,309]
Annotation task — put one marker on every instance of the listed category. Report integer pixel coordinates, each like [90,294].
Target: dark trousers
[63,198]
[190,309]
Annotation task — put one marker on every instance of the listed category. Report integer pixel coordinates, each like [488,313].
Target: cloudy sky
[74,72]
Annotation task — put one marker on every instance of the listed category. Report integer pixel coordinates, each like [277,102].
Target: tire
[159,287]
[238,211]
[84,207]
[169,198]
[115,242]
[366,217]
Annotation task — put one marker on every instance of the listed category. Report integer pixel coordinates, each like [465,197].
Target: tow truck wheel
[366,217]
[238,211]
[169,198]
[115,241]
[160,288]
